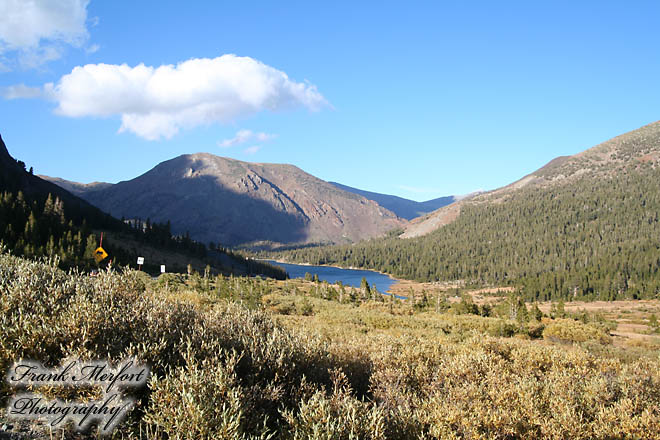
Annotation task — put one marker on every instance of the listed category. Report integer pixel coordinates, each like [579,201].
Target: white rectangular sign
[162,268]
[140,260]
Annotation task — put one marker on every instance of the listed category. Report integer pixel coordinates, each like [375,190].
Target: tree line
[594,239]
[32,228]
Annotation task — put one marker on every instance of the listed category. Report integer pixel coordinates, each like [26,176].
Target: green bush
[567,330]
[502,328]
[202,399]
[338,416]
[171,281]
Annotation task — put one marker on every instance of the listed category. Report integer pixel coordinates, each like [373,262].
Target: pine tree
[90,248]
[561,313]
[50,246]
[49,206]
[364,285]
[58,210]
[523,314]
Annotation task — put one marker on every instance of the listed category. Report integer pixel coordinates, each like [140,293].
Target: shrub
[171,281]
[502,328]
[567,330]
[338,416]
[306,308]
[202,399]
[225,370]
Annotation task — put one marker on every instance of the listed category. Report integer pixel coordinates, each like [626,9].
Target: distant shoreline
[396,280]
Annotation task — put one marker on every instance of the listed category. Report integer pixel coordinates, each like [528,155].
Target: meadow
[238,357]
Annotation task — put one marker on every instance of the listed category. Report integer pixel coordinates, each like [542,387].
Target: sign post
[140,262]
[100,254]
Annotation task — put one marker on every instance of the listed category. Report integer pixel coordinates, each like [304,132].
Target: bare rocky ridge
[232,202]
[75,187]
[431,222]
[638,148]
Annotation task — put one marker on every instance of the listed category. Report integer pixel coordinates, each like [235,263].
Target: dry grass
[631,318]
[313,368]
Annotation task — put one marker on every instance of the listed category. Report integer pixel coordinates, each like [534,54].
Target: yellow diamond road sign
[100,254]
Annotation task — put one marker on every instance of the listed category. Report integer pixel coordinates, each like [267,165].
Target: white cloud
[243,136]
[92,49]
[156,102]
[252,150]
[21,91]
[263,137]
[464,196]
[36,30]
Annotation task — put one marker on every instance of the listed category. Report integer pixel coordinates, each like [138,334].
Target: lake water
[349,277]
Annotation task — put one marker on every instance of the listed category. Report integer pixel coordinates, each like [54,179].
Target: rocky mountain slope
[231,202]
[639,148]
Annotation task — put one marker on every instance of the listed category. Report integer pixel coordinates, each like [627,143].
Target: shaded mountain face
[231,202]
[636,150]
[404,208]
[14,178]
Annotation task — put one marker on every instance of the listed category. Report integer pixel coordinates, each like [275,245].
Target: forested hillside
[31,228]
[581,227]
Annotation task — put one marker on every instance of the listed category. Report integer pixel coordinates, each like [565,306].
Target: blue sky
[417,99]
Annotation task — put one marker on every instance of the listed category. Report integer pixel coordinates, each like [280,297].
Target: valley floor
[631,317]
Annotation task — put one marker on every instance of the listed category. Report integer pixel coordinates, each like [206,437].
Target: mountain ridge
[218,199]
[74,187]
[602,160]
[404,208]
[15,178]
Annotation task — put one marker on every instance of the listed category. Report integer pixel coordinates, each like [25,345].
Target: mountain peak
[8,164]
[234,202]
[636,149]
[641,145]
[404,208]
[210,159]
[4,153]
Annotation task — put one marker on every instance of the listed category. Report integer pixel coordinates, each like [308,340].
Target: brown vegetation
[317,368]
